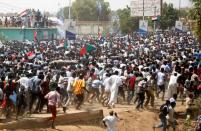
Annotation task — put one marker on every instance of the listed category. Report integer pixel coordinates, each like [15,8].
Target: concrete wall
[87,27]
[91,27]
[28,33]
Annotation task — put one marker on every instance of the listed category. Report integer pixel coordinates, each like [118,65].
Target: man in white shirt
[62,84]
[69,91]
[161,82]
[172,86]
[95,90]
[24,81]
[110,121]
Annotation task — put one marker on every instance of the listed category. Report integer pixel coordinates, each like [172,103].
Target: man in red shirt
[131,88]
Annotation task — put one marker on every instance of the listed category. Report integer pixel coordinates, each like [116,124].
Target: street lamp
[69,11]
[179,10]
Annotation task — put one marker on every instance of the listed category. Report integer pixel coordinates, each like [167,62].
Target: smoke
[60,28]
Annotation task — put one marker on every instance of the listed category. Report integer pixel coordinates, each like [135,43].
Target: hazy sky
[53,5]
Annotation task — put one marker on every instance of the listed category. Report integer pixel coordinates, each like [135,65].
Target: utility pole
[155,20]
[143,9]
[69,10]
[179,10]
[98,16]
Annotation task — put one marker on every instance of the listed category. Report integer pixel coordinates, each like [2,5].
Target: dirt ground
[131,119]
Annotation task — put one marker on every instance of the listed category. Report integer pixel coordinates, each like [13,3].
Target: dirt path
[131,119]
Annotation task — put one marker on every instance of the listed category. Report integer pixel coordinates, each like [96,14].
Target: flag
[154,18]
[83,51]
[90,48]
[65,44]
[24,13]
[30,55]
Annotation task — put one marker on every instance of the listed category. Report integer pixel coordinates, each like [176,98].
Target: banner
[151,7]
[70,35]
[143,26]
[179,26]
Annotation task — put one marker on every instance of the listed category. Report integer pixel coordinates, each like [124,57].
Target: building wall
[91,27]
[87,27]
[28,33]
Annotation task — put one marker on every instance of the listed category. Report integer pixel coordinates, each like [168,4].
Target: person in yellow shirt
[79,88]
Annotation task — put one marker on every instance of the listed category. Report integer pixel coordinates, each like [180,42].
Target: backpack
[163,110]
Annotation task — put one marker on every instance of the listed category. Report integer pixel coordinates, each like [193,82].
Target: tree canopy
[87,10]
[169,16]
[167,20]
[196,15]
[128,24]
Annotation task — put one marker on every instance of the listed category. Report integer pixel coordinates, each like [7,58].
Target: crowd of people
[28,18]
[134,69]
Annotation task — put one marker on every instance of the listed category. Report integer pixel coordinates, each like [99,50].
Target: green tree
[63,13]
[128,24]
[87,10]
[196,15]
[169,16]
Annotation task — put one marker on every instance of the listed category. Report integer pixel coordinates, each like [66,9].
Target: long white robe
[115,82]
[172,86]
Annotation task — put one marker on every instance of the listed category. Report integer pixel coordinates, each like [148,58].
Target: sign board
[143,26]
[151,7]
[179,25]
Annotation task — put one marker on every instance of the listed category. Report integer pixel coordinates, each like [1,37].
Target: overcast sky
[54,5]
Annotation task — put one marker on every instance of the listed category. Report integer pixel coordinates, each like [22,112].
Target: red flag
[83,51]
[154,18]
[30,55]
[23,13]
